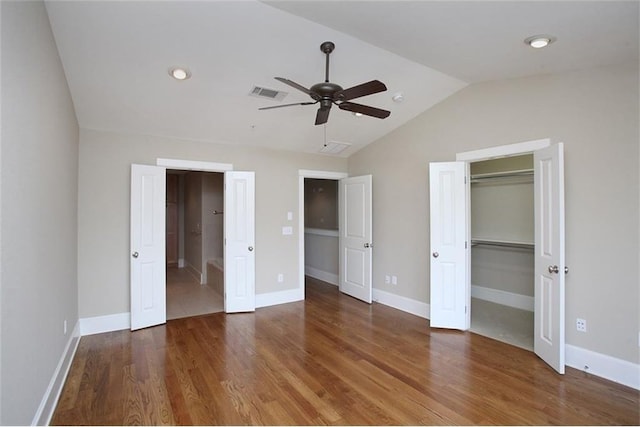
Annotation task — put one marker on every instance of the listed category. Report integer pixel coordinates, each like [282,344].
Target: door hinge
[465,309]
[465,179]
[465,244]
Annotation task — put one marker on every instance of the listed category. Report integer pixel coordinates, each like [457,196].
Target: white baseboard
[52,394]
[408,305]
[280,297]
[523,302]
[197,274]
[108,323]
[325,276]
[602,365]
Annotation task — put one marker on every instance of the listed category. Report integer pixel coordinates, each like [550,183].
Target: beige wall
[39,210]
[595,113]
[213,227]
[321,203]
[193,222]
[105,163]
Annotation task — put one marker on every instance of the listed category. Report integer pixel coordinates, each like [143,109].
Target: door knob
[368,245]
[135,254]
[250,248]
[553,269]
[436,254]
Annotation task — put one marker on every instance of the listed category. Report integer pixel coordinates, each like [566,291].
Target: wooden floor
[327,360]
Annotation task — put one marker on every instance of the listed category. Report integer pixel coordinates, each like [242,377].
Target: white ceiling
[116,55]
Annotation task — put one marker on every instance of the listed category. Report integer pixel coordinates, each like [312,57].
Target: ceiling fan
[327,93]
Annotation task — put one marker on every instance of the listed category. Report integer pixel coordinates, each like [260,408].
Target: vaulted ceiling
[116,55]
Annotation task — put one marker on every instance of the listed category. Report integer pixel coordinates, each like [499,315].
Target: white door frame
[302,174]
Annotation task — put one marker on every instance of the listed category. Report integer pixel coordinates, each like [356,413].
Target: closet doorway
[194,243]
[502,249]
[321,247]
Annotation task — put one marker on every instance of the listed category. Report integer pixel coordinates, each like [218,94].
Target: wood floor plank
[328,360]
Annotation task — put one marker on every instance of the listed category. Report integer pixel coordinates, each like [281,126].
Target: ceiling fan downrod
[327,48]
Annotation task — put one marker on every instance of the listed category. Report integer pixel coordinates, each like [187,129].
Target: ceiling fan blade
[293,84]
[369,88]
[364,109]
[322,116]
[287,105]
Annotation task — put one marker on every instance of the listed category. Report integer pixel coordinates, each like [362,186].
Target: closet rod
[509,174]
[514,245]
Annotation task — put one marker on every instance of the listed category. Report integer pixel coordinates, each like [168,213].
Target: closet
[321,229]
[502,249]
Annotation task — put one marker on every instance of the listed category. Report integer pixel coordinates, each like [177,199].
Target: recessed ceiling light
[539,41]
[179,73]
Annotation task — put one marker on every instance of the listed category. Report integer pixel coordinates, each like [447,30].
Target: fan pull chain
[325,134]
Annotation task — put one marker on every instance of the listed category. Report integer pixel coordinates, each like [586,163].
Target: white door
[239,248]
[148,274]
[450,292]
[355,236]
[549,257]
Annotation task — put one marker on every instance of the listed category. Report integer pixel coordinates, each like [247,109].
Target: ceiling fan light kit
[327,94]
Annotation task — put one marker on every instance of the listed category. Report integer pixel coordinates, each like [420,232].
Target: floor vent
[334,147]
[263,92]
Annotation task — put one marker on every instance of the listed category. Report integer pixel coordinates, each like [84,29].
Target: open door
[355,237]
[239,253]
[450,289]
[549,256]
[148,274]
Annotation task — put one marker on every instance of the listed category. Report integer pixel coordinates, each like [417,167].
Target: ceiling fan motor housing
[325,90]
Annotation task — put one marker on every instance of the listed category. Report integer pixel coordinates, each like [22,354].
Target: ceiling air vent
[263,92]
[334,147]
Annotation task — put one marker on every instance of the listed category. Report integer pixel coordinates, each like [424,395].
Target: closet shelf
[497,175]
[502,243]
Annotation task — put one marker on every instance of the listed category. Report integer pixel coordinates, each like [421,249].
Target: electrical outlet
[581,325]
[394,280]
[387,279]
[280,278]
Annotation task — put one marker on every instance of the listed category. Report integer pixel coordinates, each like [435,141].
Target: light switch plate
[286,231]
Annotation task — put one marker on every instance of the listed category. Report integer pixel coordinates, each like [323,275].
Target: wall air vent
[263,92]
[334,147]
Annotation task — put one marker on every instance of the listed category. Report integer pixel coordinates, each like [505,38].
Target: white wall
[105,162]
[503,209]
[39,180]
[595,113]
